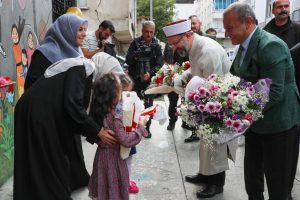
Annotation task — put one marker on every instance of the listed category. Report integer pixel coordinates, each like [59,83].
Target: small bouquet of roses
[182,79]
[223,108]
[163,81]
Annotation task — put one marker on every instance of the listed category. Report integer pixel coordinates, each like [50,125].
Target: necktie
[237,60]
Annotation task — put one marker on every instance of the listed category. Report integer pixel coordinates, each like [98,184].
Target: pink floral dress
[110,179]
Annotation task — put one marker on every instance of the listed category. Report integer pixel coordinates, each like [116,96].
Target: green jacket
[268,56]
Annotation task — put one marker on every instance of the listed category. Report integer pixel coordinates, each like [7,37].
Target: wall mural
[19,36]
[16,33]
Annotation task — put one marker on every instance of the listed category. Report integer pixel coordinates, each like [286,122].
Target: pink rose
[214,88]
[201,108]
[237,125]
[210,107]
[202,91]
[228,123]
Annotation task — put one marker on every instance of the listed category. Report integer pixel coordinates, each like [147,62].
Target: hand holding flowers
[163,81]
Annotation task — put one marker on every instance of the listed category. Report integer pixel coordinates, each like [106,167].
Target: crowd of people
[74,85]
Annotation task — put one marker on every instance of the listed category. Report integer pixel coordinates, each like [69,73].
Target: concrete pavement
[162,162]
[160,165]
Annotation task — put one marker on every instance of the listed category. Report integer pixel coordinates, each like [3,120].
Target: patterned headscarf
[60,39]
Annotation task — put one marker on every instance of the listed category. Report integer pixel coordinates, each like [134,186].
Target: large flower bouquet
[223,108]
[163,81]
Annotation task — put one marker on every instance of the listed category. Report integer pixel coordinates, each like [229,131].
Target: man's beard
[182,53]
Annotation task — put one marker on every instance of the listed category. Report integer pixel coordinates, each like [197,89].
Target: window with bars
[222,4]
[59,7]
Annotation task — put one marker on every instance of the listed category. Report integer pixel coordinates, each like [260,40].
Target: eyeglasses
[175,43]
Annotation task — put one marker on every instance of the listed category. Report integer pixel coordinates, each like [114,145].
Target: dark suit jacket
[268,56]
[295,52]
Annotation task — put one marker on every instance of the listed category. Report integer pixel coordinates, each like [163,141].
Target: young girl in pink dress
[127,85]
[110,179]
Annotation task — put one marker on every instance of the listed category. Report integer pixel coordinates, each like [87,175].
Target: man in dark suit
[295,52]
[289,31]
[271,142]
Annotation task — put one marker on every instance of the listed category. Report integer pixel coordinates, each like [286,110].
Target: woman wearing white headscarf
[105,64]
[51,114]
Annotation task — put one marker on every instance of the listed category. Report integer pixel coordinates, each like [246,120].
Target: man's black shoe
[209,191]
[198,178]
[192,138]
[185,126]
[171,126]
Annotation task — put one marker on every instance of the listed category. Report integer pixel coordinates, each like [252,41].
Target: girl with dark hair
[110,179]
[127,85]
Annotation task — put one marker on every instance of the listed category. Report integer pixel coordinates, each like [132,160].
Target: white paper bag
[160,114]
[124,152]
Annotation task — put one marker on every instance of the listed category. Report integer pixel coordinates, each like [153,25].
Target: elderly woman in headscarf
[105,64]
[51,114]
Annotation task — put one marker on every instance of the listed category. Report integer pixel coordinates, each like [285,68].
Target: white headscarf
[65,64]
[105,64]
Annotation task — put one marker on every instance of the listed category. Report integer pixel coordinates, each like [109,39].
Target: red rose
[186,65]
[249,117]
[229,103]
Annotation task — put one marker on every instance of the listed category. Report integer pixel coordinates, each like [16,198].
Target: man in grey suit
[271,142]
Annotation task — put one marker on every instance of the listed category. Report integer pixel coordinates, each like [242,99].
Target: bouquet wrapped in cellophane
[223,108]
[163,81]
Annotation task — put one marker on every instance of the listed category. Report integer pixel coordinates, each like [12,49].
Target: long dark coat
[79,175]
[47,117]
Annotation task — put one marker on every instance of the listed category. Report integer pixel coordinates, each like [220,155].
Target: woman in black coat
[49,117]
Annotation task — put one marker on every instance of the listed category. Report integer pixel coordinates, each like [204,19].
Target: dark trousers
[295,161]
[271,155]
[173,99]
[216,179]
[140,87]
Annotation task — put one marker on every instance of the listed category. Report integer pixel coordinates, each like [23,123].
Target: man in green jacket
[270,143]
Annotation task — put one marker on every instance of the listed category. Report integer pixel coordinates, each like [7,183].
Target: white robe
[208,57]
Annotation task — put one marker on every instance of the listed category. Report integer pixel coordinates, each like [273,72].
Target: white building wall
[183,11]
[260,8]
[120,12]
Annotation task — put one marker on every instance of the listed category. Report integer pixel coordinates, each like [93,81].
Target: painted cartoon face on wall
[30,40]
[14,34]
[24,58]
